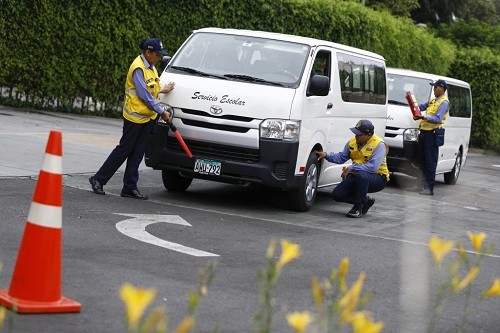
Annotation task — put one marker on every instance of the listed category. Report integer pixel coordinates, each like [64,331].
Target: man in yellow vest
[140,111]
[436,111]
[368,172]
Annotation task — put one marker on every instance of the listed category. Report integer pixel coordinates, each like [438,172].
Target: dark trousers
[353,188]
[427,158]
[131,148]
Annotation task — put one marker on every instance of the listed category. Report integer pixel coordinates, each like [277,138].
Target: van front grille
[216,151]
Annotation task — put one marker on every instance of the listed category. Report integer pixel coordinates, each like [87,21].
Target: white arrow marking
[136,228]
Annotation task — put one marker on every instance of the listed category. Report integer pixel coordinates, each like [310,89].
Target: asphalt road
[233,225]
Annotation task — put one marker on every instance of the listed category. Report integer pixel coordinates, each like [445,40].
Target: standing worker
[430,138]
[368,172]
[140,112]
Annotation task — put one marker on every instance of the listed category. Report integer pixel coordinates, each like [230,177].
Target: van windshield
[241,58]
[398,85]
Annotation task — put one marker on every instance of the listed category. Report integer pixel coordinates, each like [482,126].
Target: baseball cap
[439,83]
[363,127]
[153,44]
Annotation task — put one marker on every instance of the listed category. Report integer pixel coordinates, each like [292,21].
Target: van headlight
[411,134]
[280,129]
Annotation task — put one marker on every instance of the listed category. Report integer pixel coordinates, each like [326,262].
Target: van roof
[433,77]
[291,38]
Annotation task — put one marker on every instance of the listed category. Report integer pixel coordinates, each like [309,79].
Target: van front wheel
[302,199]
[173,181]
[451,177]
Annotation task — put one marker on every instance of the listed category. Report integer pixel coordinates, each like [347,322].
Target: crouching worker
[368,172]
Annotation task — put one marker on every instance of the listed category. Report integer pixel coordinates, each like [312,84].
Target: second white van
[252,107]
[401,133]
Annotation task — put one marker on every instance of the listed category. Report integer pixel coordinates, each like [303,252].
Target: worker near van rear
[436,111]
[368,172]
[140,112]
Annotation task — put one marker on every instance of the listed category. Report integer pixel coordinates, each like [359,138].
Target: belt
[428,131]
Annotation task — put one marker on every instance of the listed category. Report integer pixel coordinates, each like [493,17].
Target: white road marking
[136,228]
[496,165]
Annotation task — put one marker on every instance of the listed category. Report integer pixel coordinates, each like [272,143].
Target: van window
[460,101]
[244,58]
[361,80]
[398,85]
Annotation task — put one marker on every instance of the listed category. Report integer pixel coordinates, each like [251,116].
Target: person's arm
[438,117]
[374,162]
[143,92]
[339,158]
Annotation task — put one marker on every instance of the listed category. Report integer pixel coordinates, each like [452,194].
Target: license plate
[207,167]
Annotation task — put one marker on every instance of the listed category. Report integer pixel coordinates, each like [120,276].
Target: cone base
[63,305]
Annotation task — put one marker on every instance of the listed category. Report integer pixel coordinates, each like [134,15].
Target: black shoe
[426,191]
[96,186]
[135,194]
[354,212]
[367,205]
[414,188]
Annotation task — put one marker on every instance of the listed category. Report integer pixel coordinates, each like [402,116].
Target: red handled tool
[180,139]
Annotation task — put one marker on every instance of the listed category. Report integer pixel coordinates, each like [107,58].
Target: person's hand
[168,88]
[167,114]
[345,172]
[320,154]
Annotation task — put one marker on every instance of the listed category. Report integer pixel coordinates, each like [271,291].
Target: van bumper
[273,164]
[404,160]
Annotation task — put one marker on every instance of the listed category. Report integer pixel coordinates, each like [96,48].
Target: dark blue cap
[363,127]
[153,44]
[440,83]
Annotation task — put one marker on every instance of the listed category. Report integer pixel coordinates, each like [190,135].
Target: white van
[253,106]
[402,131]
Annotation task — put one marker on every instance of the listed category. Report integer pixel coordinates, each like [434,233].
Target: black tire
[451,177]
[173,181]
[302,198]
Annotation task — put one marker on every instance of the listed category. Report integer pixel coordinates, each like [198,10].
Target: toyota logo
[215,109]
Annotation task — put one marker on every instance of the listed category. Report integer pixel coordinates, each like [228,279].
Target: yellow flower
[439,248]
[270,249]
[2,315]
[362,323]
[289,251]
[136,301]
[471,275]
[494,289]
[343,269]
[186,325]
[318,293]
[349,301]
[476,239]
[299,320]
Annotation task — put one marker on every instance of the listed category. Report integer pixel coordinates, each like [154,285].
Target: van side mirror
[163,63]
[319,86]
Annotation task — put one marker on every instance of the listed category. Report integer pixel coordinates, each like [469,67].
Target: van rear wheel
[173,181]
[451,177]
[302,199]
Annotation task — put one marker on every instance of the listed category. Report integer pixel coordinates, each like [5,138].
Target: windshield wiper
[196,72]
[392,101]
[252,79]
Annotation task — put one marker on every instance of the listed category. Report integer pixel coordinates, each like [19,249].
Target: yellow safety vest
[363,155]
[135,109]
[432,109]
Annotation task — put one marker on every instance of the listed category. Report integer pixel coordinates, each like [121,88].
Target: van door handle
[329,106]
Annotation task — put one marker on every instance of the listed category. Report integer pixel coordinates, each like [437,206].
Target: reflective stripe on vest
[432,109]
[363,155]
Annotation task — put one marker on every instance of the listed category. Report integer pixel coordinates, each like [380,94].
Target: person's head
[363,130]
[152,49]
[440,87]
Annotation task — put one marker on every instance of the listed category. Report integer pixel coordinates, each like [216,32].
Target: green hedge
[56,52]
[481,68]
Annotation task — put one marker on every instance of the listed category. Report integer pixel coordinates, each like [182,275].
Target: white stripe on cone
[52,163]
[45,215]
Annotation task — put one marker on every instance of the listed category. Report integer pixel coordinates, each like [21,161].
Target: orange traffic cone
[36,281]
